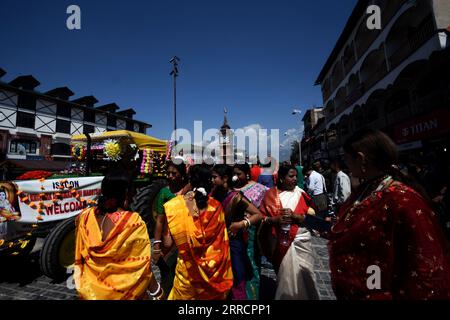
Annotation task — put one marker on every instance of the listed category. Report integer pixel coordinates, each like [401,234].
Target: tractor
[47,207]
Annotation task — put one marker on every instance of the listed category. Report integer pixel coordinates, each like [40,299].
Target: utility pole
[174,74]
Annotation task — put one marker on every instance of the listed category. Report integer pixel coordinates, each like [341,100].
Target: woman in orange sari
[112,255]
[197,225]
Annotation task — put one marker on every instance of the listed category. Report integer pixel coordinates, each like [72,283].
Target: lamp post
[174,74]
[294,112]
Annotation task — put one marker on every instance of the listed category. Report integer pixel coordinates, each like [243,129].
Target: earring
[248,177]
[363,169]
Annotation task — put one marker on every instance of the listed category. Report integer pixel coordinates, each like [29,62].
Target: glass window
[62,126]
[23,147]
[25,120]
[89,116]
[27,101]
[88,129]
[112,121]
[63,110]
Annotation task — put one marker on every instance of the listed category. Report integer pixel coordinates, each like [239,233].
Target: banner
[55,199]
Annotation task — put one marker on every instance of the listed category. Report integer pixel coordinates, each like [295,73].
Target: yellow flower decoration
[112,150]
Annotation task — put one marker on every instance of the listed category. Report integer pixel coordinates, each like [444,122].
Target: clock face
[226,139]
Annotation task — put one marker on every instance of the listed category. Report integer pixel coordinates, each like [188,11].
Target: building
[395,79]
[38,126]
[226,142]
[311,141]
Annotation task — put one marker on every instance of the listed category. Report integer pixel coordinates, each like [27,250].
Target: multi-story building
[395,79]
[38,126]
[311,141]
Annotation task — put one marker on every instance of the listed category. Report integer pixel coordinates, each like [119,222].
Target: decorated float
[40,204]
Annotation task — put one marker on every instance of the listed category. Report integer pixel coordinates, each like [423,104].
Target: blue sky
[257,58]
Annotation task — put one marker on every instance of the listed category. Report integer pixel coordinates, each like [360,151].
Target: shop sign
[428,126]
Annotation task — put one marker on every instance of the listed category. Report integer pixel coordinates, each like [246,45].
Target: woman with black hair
[386,243]
[164,250]
[197,225]
[240,215]
[285,241]
[254,192]
[112,255]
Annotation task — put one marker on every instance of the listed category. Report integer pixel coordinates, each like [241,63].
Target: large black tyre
[143,202]
[58,251]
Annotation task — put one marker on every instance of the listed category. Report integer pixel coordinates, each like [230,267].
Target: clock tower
[226,142]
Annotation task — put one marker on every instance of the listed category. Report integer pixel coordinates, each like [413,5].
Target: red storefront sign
[431,125]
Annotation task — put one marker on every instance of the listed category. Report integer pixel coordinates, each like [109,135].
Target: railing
[376,76]
[354,95]
[424,32]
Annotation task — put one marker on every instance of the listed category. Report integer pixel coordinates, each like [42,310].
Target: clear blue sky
[258,58]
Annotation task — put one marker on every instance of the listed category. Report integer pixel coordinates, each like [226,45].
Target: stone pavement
[21,279]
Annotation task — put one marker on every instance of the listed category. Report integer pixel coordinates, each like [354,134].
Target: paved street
[22,279]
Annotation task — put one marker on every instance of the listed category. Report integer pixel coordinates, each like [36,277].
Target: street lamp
[174,74]
[294,112]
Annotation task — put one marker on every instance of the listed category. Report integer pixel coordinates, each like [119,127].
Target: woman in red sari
[386,230]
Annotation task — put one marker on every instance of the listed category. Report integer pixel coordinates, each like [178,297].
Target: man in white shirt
[342,186]
[316,188]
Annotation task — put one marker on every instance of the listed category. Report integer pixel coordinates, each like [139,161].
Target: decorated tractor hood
[142,141]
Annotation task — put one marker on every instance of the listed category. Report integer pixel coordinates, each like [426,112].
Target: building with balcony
[38,126]
[395,79]
[311,141]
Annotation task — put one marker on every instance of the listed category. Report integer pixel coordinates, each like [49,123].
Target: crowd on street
[215,223]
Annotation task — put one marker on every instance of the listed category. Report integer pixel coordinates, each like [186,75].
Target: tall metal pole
[300,146]
[174,73]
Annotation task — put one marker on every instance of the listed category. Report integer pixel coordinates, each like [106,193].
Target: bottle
[285,229]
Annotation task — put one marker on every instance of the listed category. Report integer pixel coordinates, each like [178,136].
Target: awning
[47,165]
[141,140]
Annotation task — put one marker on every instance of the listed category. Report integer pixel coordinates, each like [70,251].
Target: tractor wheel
[143,202]
[58,251]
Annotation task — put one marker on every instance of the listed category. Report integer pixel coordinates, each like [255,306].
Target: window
[63,110]
[62,126]
[62,149]
[25,120]
[27,101]
[112,121]
[141,128]
[88,129]
[130,126]
[89,116]
[23,147]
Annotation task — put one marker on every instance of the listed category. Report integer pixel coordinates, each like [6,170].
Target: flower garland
[79,152]
[169,150]
[34,175]
[147,161]
[112,150]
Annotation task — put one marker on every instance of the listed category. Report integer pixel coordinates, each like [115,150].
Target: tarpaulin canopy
[141,140]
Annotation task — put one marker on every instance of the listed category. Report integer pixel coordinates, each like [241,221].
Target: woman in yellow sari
[197,225]
[112,255]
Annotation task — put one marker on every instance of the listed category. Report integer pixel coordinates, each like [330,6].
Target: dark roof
[110,107]
[62,93]
[358,11]
[2,72]
[127,112]
[88,101]
[48,165]
[27,82]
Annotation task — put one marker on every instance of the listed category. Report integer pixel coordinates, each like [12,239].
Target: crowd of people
[214,225]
